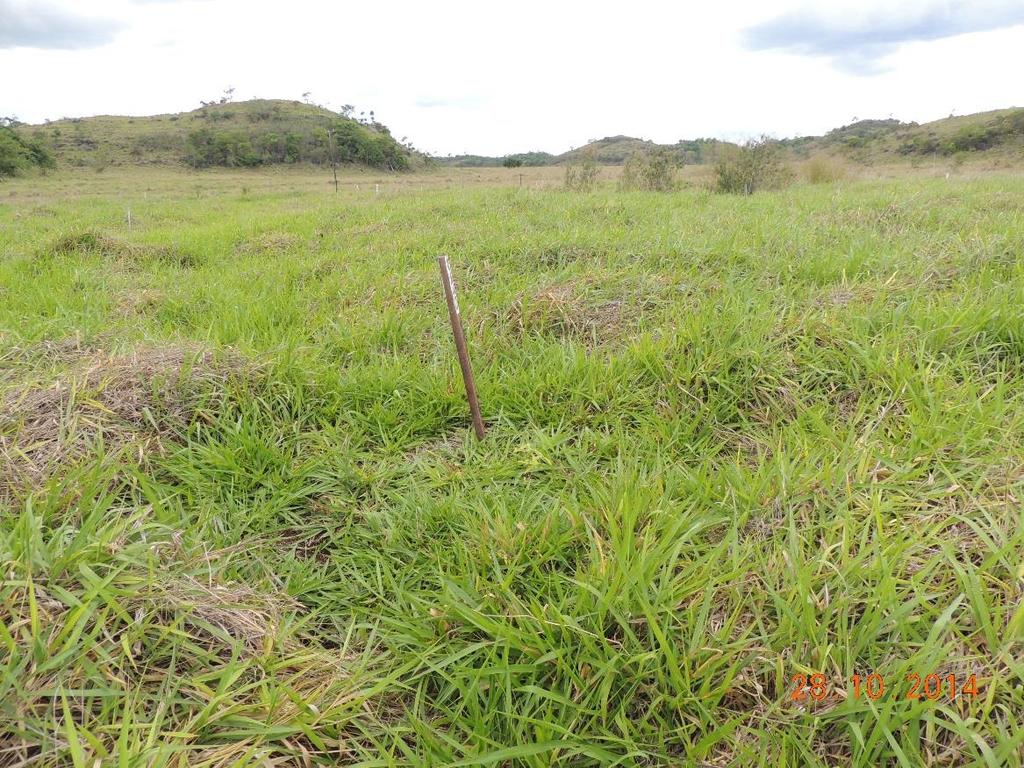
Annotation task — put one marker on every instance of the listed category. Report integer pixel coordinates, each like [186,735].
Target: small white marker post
[129,218]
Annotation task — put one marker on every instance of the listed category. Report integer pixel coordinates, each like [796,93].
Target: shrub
[756,165]
[971,138]
[821,169]
[18,154]
[653,171]
[920,145]
[581,173]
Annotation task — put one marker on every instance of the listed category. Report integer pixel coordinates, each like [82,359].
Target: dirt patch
[138,401]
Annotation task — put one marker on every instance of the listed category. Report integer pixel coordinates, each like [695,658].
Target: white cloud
[857,38]
[40,24]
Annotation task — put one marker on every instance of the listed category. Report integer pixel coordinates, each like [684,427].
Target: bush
[756,165]
[920,145]
[824,170]
[971,138]
[18,154]
[581,173]
[653,171]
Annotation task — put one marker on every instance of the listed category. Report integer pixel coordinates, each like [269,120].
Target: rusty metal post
[460,345]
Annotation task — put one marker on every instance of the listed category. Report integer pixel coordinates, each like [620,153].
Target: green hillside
[242,134]
[997,134]
[268,132]
[611,150]
[615,150]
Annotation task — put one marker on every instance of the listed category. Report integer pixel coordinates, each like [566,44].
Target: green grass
[732,440]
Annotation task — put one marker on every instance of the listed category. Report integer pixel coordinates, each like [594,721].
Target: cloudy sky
[505,77]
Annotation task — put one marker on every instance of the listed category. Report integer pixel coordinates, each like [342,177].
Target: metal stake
[460,345]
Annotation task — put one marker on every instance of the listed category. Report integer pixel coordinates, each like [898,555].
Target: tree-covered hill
[229,134]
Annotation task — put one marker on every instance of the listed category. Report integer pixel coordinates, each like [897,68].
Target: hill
[246,133]
[996,133]
[519,160]
[615,150]
[611,150]
[267,132]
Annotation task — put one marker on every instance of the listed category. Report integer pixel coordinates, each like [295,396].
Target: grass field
[732,440]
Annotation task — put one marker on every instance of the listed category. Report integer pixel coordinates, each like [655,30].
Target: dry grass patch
[245,614]
[117,251]
[825,169]
[267,243]
[138,301]
[113,402]
[564,311]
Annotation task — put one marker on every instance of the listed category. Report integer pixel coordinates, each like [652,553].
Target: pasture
[732,440]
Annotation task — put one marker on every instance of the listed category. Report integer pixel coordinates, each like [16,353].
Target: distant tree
[511,161]
[346,111]
[229,94]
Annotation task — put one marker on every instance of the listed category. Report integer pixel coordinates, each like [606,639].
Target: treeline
[613,150]
[343,141]
[698,151]
[519,160]
[19,154]
[528,160]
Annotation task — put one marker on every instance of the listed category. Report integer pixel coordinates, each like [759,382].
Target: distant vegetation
[822,169]
[343,141]
[971,133]
[581,173]
[19,153]
[226,134]
[651,171]
[223,133]
[519,160]
[757,165]
[862,141]
[1007,128]
[611,150]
